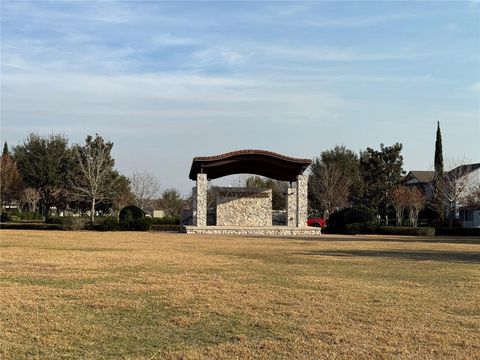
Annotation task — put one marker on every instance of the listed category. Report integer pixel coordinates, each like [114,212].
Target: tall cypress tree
[438,165]
[5,152]
[438,152]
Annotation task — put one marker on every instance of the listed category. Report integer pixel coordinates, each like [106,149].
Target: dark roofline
[251,152]
[258,162]
[461,170]
[464,169]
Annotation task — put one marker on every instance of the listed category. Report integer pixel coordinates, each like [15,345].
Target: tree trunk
[399,215]
[92,212]
[46,208]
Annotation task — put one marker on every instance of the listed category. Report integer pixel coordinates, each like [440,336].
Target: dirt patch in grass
[176,296]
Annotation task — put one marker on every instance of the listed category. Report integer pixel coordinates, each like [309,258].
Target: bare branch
[330,187]
[145,188]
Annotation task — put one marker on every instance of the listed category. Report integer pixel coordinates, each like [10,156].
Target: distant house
[467,214]
[469,177]
[422,180]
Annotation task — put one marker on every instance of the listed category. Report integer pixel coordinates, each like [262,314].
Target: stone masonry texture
[201,200]
[302,200]
[292,206]
[244,207]
[194,205]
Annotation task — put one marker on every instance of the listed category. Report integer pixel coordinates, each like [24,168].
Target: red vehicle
[316,222]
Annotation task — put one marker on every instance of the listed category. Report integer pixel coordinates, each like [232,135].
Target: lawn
[173,296]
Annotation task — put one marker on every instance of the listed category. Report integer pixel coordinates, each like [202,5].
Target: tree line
[45,173]
[375,180]
[341,178]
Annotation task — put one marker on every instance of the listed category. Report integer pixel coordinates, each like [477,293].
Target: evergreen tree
[381,172]
[279,188]
[5,152]
[438,165]
[44,164]
[438,151]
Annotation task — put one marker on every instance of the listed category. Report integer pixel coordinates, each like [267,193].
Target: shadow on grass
[449,256]
[409,239]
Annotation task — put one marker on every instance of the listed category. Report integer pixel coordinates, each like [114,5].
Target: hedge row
[31,226]
[408,231]
[141,224]
[175,228]
[369,228]
[20,216]
[458,231]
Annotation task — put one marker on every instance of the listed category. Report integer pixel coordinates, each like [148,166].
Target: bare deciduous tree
[145,188]
[30,198]
[94,177]
[398,197]
[452,186]
[415,202]
[472,198]
[330,187]
[212,194]
[122,194]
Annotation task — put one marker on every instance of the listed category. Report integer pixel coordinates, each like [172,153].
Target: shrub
[54,220]
[31,226]
[110,223]
[458,231]
[4,217]
[74,223]
[165,228]
[20,216]
[407,231]
[361,228]
[166,220]
[132,218]
[131,212]
[141,224]
[338,221]
[30,216]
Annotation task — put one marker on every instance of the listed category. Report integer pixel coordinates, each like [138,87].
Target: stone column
[194,206]
[292,206]
[302,200]
[200,201]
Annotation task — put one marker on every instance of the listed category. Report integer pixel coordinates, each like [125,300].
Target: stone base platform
[260,230]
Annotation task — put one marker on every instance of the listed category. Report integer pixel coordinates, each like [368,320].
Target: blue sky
[167,81]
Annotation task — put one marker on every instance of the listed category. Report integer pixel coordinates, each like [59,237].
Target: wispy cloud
[219,55]
[116,99]
[308,54]
[208,77]
[352,22]
[169,40]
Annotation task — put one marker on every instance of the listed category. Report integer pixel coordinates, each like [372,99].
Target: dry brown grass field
[88,295]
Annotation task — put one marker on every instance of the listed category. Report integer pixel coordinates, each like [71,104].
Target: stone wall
[254,231]
[244,207]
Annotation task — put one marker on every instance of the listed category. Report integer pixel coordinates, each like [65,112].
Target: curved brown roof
[258,162]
